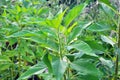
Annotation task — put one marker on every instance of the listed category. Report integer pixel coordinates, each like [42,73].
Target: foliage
[59,43]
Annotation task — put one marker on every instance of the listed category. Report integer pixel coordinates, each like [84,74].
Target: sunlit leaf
[56,22]
[73,13]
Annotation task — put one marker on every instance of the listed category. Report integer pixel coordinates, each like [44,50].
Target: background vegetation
[59,40]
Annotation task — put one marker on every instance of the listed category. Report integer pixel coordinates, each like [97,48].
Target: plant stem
[19,59]
[117,55]
[117,59]
[19,69]
[59,42]
[68,72]
[12,69]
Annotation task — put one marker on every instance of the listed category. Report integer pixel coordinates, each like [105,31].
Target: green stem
[19,59]
[12,70]
[59,42]
[117,59]
[117,56]
[19,69]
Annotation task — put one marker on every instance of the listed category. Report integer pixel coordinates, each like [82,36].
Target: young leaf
[56,22]
[73,13]
[77,31]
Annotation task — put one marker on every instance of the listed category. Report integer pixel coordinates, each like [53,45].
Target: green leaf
[4,58]
[107,40]
[82,47]
[108,4]
[42,10]
[71,27]
[28,59]
[59,67]
[98,27]
[46,43]
[22,33]
[18,8]
[56,22]
[36,69]
[96,46]
[4,13]
[77,31]
[73,13]
[107,10]
[4,65]
[47,62]
[86,69]
[106,62]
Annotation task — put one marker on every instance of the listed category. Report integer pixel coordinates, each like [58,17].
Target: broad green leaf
[49,33]
[77,31]
[34,70]
[86,69]
[107,10]
[96,46]
[108,40]
[46,43]
[82,47]
[98,27]
[59,67]
[73,13]
[108,4]
[45,38]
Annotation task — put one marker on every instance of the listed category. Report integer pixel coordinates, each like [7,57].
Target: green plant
[65,46]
